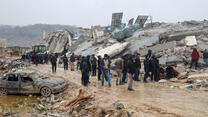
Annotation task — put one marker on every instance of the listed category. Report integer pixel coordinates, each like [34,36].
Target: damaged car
[30,82]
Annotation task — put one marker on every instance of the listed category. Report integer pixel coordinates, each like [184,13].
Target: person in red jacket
[194,58]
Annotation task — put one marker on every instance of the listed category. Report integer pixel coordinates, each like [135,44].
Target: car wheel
[3,91]
[45,91]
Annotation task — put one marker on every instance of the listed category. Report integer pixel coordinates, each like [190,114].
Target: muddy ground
[148,100]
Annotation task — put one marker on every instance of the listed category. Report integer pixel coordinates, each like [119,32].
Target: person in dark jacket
[94,65]
[132,66]
[84,67]
[65,60]
[149,54]
[205,56]
[72,61]
[138,67]
[79,59]
[125,68]
[194,58]
[99,67]
[105,66]
[156,68]
[148,68]
[53,63]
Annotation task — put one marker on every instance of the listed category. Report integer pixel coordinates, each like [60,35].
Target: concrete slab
[158,47]
[190,40]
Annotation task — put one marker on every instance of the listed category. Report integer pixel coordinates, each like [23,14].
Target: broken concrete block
[204,75]
[158,48]
[120,35]
[190,40]
[180,69]
[179,35]
[173,59]
[113,50]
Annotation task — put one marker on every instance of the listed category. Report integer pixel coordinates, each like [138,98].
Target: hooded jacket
[195,54]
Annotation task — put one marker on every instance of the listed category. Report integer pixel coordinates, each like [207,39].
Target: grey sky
[92,12]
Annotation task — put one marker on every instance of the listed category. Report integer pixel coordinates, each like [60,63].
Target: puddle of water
[9,103]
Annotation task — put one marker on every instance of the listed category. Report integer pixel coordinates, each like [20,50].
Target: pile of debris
[8,65]
[57,41]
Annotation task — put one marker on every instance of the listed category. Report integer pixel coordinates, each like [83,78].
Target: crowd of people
[128,66]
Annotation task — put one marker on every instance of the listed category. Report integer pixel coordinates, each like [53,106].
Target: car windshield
[35,75]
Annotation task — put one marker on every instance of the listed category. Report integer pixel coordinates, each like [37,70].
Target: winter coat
[102,64]
[72,58]
[53,59]
[132,67]
[195,54]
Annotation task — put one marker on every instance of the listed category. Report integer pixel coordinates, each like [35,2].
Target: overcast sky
[93,12]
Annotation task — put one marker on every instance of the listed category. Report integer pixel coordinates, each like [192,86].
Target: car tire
[3,91]
[45,91]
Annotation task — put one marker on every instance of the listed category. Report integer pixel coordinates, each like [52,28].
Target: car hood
[57,81]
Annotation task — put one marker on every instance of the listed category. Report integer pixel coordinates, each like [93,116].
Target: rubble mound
[57,41]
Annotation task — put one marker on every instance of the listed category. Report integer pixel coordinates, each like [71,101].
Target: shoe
[109,85]
[130,89]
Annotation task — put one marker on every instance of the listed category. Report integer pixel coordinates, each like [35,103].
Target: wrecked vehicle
[30,82]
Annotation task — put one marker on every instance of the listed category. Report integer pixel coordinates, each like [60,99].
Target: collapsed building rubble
[8,65]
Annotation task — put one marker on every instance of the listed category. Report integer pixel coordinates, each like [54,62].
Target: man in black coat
[65,60]
[99,67]
[148,68]
[85,68]
[131,70]
[72,61]
[53,63]
[156,68]
[94,65]
[138,67]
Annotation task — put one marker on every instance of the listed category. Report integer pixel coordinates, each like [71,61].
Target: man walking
[53,62]
[132,70]
[105,65]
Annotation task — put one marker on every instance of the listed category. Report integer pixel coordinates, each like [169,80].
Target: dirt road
[148,100]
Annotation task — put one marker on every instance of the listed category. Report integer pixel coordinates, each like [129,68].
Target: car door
[27,85]
[13,83]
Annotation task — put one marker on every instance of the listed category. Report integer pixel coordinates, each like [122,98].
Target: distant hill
[25,36]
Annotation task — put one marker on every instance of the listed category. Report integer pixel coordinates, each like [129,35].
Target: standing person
[94,65]
[156,68]
[118,68]
[138,67]
[89,65]
[79,59]
[36,59]
[84,67]
[105,65]
[65,60]
[72,61]
[149,54]
[125,68]
[194,58]
[205,56]
[53,62]
[132,71]
[147,68]
[99,67]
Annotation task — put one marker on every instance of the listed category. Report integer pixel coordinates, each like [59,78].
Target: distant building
[2,46]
